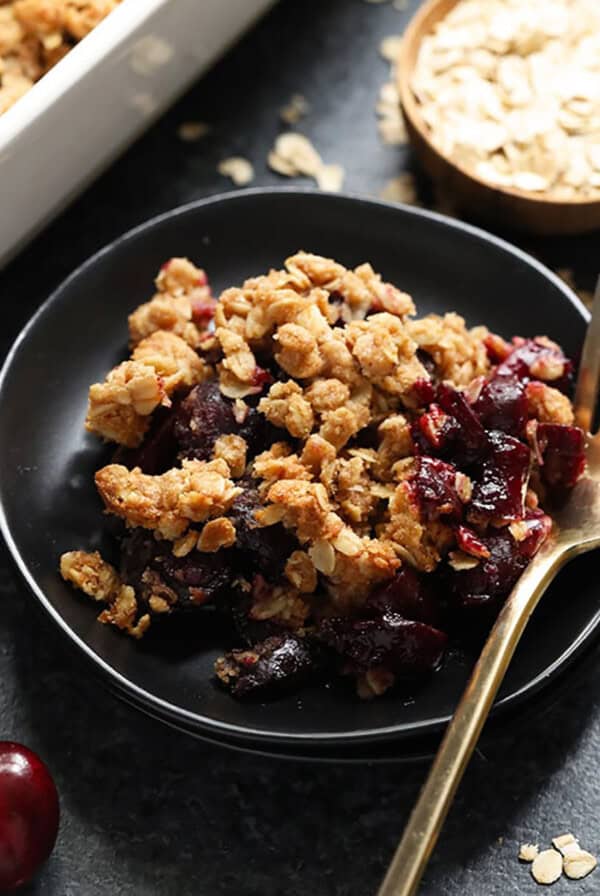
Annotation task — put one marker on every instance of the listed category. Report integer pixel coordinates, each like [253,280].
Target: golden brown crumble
[119,409]
[548,405]
[182,289]
[100,581]
[385,352]
[458,352]
[232,449]
[280,604]
[122,613]
[340,425]
[372,560]
[186,544]
[396,443]
[174,361]
[315,454]
[91,574]
[279,463]
[36,34]
[301,573]
[168,503]
[417,544]
[308,509]
[286,407]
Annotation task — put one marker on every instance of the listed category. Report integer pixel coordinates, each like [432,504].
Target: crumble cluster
[36,34]
[305,405]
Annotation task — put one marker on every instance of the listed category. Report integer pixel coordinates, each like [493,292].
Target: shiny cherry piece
[29,815]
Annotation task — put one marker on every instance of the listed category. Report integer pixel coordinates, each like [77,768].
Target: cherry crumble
[347,484]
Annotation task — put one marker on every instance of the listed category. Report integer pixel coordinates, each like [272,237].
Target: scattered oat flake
[295,109]
[388,104]
[401,189]
[294,155]
[578,864]
[547,866]
[298,151]
[460,561]
[240,170]
[280,165]
[528,852]
[191,131]
[565,843]
[330,177]
[389,47]
[393,131]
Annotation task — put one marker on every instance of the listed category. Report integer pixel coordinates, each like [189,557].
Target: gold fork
[576,530]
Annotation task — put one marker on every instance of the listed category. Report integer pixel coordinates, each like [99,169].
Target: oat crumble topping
[311,457]
[36,34]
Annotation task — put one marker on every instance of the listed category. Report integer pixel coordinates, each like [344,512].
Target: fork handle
[462,734]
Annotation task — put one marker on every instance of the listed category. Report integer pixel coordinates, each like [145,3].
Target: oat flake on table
[391,125]
[511,91]
[547,866]
[294,155]
[528,852]
[240,170]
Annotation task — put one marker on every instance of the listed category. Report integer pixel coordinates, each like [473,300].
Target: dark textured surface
[146,810]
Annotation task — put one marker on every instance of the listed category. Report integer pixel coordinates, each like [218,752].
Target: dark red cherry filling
[500,480]
[282,662]
[407,595]
[502,405]
[562,449]
[402,646]
[434,488]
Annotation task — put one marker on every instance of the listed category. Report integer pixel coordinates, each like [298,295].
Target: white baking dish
[101,96]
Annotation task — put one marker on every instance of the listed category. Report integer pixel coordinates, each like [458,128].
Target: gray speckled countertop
[148,811]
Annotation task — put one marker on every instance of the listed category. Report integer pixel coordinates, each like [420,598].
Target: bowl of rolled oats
[502,104]
[321,470]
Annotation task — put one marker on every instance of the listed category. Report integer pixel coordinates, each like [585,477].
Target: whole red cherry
[29,814]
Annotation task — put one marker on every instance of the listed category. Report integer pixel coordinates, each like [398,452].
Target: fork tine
[588,381]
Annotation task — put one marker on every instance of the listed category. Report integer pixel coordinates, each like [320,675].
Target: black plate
[47,462]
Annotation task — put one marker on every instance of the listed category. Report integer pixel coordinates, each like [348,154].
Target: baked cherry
[537,359]
[502,405]
[29,815]
[408,595]
[434,488]
[500,480]
[562,449]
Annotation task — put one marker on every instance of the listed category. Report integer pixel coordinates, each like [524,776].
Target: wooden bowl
[505,206]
